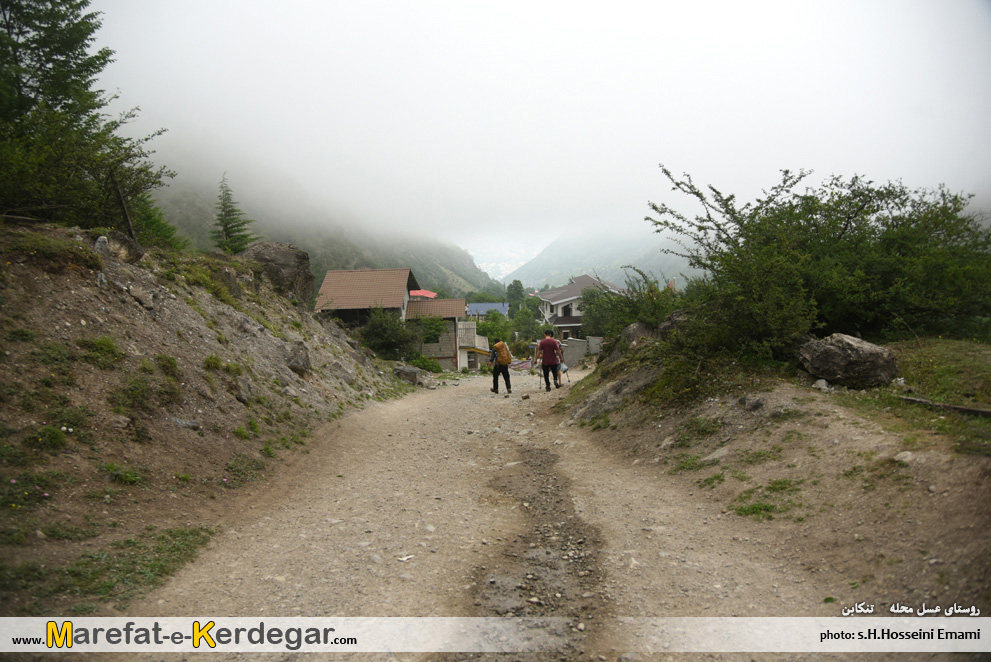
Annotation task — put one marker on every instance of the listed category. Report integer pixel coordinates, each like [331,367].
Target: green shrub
[213,362]
[55,255]
[168,365]
[425,363]
[169,392]
[102,352]
[387,336]
[55,355]
[21,335]
[122,475]
[133,396]
[848,255]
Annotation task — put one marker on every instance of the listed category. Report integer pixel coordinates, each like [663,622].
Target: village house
[561,306]
[351,294]
[446,350]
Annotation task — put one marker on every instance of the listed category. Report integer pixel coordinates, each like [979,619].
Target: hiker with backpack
[550,355]
[499,359]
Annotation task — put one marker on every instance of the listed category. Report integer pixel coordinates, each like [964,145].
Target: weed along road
[459,502]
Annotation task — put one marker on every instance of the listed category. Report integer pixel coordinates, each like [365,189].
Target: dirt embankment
[140,398]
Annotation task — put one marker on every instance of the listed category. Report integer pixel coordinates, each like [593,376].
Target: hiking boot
[547,388]
[556,385]
[509,390]
[494,390]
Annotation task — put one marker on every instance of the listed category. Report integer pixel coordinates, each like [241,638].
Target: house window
[565,335]
[566,311]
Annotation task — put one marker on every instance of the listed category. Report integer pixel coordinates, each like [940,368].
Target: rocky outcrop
[848,361]
[285,268]
[299,358]
[118,246]
[408,374]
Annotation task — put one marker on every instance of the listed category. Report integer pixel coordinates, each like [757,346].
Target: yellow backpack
[502,353]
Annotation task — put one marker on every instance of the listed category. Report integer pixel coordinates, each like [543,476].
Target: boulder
[285,267]
[408,374]
[122,247]
[849,361]
[299,358]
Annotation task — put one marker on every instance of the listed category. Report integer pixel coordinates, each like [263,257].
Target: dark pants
[496,369]
[548,370]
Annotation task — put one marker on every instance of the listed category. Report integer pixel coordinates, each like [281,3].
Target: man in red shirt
[549,353]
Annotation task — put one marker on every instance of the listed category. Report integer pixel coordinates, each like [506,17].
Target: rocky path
[459,502]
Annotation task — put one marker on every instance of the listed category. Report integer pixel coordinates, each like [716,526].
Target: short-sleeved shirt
[548,349]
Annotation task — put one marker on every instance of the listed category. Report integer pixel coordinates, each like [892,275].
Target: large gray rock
[285,267]
[408,373]
[852,362]
[299,358]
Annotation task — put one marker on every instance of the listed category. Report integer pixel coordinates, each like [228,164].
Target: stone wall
[446,350]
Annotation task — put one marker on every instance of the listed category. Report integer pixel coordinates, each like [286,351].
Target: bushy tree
[63,159]
[848,255]
[388,336]
[231,233]
[495,325]
[526,320]
[645,300]
[515,296]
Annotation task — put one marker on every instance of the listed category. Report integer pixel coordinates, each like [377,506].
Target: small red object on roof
[423,293]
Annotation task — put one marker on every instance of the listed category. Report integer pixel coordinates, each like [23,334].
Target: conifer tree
[63,159]
[231,234]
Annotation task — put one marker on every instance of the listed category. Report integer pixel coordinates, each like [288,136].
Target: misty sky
[473,121]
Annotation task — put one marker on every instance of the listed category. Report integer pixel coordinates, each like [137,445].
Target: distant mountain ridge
[436,265]
[601,254]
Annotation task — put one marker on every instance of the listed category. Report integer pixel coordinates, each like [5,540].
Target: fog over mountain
[604,254]
[501,128]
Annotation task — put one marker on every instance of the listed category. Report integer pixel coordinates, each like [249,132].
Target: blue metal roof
[482,308]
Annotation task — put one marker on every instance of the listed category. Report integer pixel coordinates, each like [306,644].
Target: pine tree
[231,234]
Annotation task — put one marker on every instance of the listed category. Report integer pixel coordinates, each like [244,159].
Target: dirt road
[459,502]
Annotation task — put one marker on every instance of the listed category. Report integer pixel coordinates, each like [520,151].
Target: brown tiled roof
[365,288]
[436,308]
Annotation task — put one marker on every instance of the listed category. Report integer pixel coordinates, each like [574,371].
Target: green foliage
[241,469]
[134,396]
[515,295]
[168,365]
[386,335]
[21,335]
[122,475]
[231,234]
[169,392]
[213,362]
[848,255]
[64,160]
[941,370]
[102,351]
[118,572]
[425,363]
[430,328]
[54,355]
[151,226]
[52,254]
[25,490]
[607,313]
[495,326]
